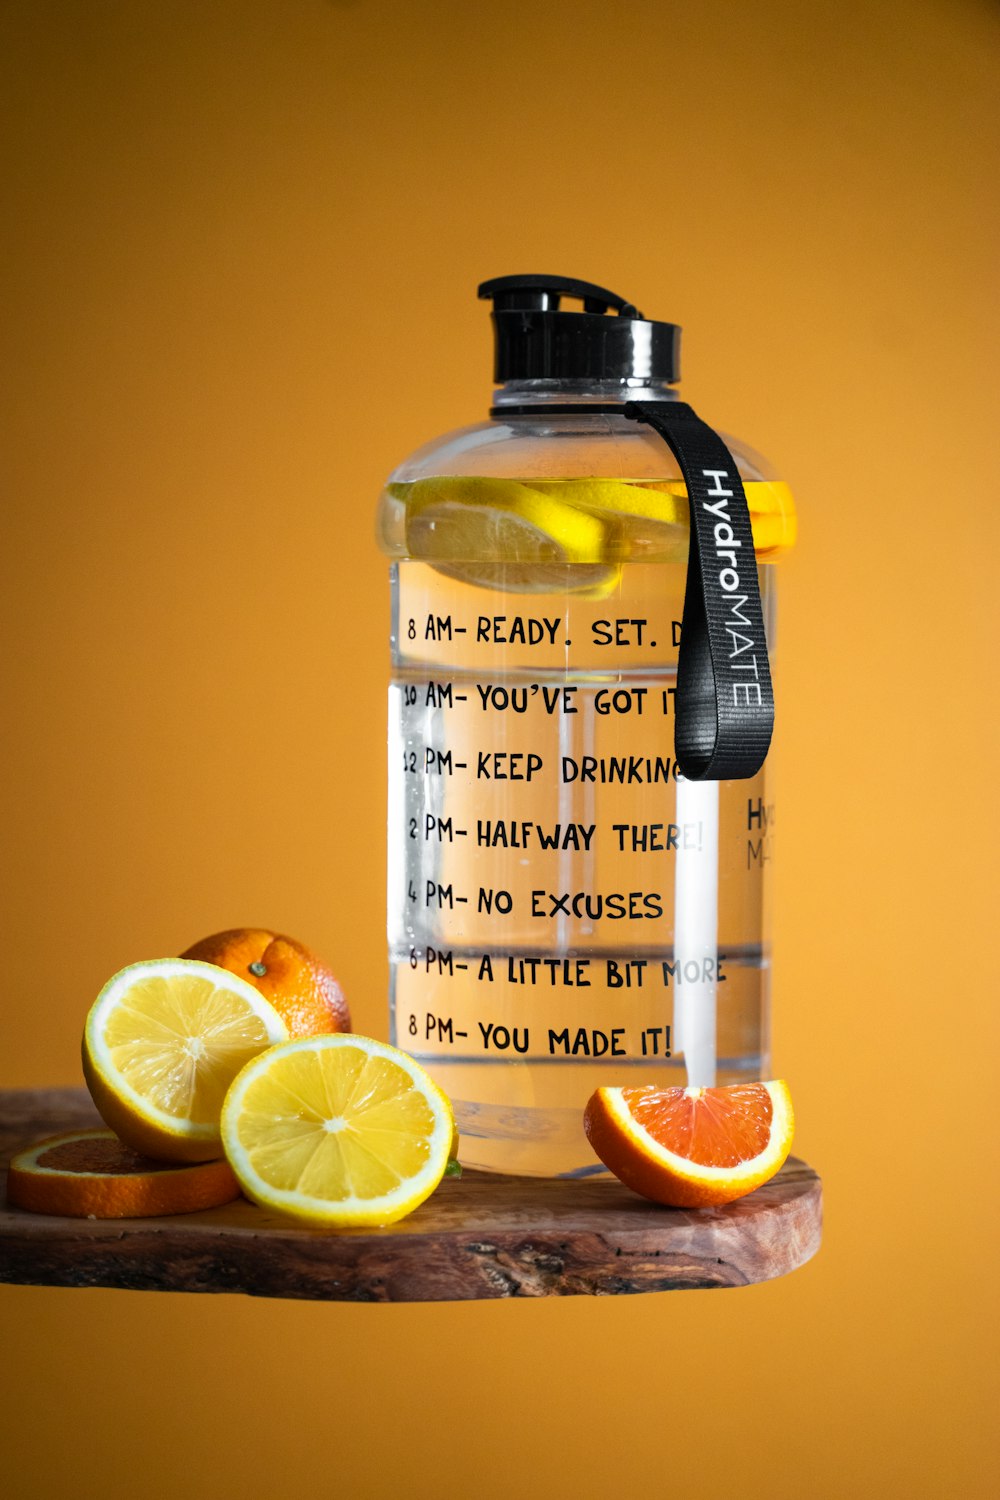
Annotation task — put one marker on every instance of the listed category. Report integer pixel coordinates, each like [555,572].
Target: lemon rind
[613,499]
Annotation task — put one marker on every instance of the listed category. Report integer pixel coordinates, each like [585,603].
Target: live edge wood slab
[478,1236]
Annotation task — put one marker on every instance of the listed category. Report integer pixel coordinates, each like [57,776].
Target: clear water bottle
[566,906]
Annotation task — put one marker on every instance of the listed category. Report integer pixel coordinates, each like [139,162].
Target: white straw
[696,929]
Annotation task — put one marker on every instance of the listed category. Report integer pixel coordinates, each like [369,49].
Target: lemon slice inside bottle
[566,535]
[652,517]
[645,522]
[502,534]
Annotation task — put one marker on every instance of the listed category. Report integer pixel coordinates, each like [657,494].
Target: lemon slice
[337,1130]
[666,504]
[566,535]
[162,1043]
[646,521]
[502,534]
[653,516]
[772,516]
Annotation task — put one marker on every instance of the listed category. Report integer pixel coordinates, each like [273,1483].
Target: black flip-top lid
[608,340]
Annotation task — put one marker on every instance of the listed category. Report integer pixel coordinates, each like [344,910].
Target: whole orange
[299,985]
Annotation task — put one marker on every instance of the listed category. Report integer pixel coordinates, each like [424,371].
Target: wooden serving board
[478,1236]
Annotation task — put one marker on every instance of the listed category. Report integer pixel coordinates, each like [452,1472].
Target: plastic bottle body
[564,910]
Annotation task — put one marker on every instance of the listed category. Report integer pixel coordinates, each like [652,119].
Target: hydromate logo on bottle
[564,908]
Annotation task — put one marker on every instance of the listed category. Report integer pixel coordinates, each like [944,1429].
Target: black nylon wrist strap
[725,701]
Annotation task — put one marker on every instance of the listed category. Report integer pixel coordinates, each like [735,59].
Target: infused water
[565,910]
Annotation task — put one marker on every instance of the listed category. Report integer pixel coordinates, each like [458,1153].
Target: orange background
[241,247]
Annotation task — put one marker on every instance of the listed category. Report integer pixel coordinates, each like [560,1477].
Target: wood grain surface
[478,1236]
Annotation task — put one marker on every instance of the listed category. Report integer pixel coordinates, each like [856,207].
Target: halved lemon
[692,1148]
[504,534]
[162,1043]
[338,1131]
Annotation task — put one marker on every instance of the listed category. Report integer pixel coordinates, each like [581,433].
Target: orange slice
[92,1174]
[692,1148]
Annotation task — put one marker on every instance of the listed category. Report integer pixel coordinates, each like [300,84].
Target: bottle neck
[543,393]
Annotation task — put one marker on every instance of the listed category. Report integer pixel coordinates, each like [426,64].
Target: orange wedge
[692,1148]
[92,1174]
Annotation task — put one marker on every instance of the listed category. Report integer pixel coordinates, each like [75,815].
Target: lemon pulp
[179,1042]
